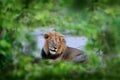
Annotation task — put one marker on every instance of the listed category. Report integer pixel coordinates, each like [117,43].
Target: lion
[55,48]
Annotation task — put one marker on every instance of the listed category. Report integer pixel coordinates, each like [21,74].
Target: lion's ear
[46,36]
[62,38]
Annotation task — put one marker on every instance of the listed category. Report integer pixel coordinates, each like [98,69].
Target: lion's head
[54,43]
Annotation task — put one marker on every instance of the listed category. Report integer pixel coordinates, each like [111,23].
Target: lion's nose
[55,47]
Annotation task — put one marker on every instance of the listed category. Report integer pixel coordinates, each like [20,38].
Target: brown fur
[66,53]
[59,38]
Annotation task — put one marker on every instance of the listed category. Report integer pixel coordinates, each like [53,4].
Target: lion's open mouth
[52,51]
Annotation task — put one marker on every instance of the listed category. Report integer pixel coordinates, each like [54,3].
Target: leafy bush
[98,20]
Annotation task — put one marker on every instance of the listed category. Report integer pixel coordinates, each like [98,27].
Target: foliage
[49,70]
[98,20]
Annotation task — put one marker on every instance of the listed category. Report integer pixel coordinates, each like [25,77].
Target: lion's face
[54,43]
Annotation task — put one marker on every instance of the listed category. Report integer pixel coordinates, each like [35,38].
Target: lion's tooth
[52,52]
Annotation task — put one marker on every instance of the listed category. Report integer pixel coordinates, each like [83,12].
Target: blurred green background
[98,20]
